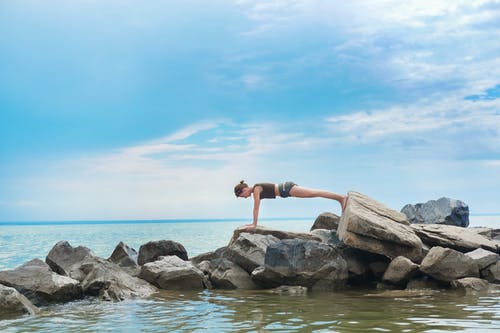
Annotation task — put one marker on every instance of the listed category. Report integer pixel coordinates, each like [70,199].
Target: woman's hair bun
[242,182]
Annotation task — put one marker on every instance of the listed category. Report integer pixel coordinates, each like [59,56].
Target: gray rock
[228,275]
[447,265]
[66,260]
[248,250]
[400,271]
[110,282]
[328,221]
[40,284]
[289,290]
[153,250]
[471,285]
[378,268]
[422,283]
[125,257]
[457,238]
[173,273]
[442,211]
[328,236]
[13,303]
[368,225]
[310,264]
[492,273]
[279,234]
[483,258]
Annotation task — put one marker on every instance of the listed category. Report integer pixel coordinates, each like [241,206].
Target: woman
[287,189]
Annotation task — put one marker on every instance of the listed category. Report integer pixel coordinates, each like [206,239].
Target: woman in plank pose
[287,189]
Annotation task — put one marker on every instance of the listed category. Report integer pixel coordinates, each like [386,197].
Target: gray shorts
[285,188]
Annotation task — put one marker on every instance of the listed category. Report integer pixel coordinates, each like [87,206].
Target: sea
[234,310]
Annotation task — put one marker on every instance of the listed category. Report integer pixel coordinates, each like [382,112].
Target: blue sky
[149,110]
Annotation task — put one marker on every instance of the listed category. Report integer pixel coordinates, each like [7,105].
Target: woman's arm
[256,204]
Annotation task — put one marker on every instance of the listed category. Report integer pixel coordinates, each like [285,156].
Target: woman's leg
[303,192]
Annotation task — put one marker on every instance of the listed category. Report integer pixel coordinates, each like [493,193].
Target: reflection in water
[259,311]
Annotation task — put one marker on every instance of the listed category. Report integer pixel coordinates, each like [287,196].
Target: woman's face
[245,193]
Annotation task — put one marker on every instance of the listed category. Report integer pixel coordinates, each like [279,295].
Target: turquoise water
[230,311]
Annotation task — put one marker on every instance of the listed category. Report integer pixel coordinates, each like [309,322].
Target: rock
[457,238]
[110,282]
[279,234]
[66,260]
[401,293]
[289,290]
[173,273]
[328,236]
[400,271]
[447,265]
[483,231]
[368,225]
[483,258]
[40,284]
[208,256]
[298,262]
[492,273]
[328,221]
[248,250]
[125,257]
[471,285]
[442,211]
[228,275]
[357,265]
[13,303]
[153,250]
[378,268]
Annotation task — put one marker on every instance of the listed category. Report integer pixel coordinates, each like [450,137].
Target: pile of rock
[369,244]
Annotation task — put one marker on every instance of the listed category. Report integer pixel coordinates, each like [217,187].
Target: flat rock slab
[279,234]
[369,225]
[457,238]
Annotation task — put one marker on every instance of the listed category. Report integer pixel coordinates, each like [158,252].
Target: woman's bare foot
[343,204]
[250,227]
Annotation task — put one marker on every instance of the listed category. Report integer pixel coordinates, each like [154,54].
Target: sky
[156,109]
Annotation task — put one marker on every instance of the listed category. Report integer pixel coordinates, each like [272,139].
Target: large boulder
[153,250]
[298,262]
[248,250]
[227,275]
[457,238]
[173,273]
[125,257]
[40,284]
[447,265]
[66,260]
[328,221]
[13,303]
[470,285]
[110,282]
[483,258]
[279,234]
[369,225]
[400,271]
[442,211]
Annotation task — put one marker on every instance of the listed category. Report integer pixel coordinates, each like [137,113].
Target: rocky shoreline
[369,245]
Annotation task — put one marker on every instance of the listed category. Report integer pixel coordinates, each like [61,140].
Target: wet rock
[289,290]
[328,221]
[447,265]
[248,250]
[400,271]
[483,258]
[13,303]
[66,260]
[368,225]
[423,283]
[173,273]
[110,282]
[125,257]
[153,250]
[492,273]
[457,238]
[471,285]
[228,275]
[310,264]
[40,284]
[442,211]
